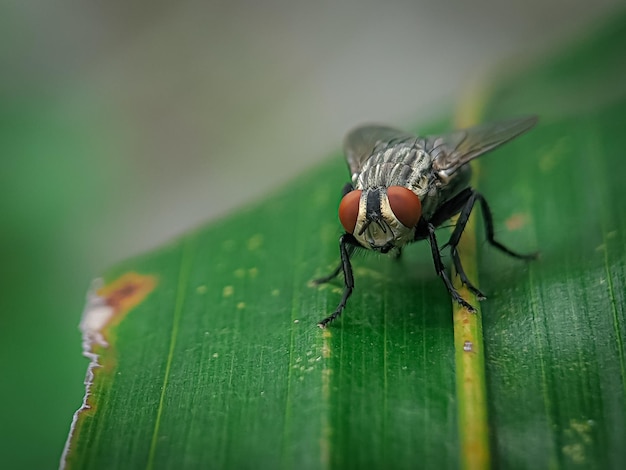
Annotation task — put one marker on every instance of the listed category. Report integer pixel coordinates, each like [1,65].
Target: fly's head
[381,218]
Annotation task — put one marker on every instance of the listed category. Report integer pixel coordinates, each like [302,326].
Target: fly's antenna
[365,225]
[382,224]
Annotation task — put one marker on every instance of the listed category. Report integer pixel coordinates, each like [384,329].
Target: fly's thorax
[381,218]
[405,165]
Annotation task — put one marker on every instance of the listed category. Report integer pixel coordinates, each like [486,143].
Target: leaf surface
[219,363]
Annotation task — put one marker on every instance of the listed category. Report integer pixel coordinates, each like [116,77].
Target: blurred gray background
[123,123]
[204,105]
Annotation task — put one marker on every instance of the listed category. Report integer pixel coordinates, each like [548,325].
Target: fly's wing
[361,142]
[451,151]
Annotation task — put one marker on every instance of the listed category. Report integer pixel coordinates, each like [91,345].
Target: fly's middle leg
[453,243]
[460,204]
[472,197]
[441,271]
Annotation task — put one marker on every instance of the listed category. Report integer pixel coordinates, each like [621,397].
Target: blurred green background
[124,123]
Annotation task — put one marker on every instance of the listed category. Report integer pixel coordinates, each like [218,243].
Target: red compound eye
[349,210]
[405,205]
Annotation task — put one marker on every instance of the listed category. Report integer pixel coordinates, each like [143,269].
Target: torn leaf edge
[96,315]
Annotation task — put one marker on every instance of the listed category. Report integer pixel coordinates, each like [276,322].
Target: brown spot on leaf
[516,221]
[125,293]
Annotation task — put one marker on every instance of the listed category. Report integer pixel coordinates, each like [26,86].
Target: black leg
[331,276]
[346,248]
[444,213]
[456,237]
[458,231]
[322,280]
[490,234]
[458,203]
[456,259]
[441,272]
[337,270]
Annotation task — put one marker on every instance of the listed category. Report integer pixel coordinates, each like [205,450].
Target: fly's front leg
[330,277]
[322,280]
[337,270]
[346,248]
[441,272]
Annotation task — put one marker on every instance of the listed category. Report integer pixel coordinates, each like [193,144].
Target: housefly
[403,187]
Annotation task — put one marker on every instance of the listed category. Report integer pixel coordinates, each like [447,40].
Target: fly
[403,187]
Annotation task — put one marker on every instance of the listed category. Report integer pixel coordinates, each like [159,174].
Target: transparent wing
[361,142]
[453,150]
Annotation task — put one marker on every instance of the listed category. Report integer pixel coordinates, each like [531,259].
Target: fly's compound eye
[349,210]
[405,205]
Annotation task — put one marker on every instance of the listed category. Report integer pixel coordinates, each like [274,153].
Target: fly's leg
[330,277]
[456,237]
[490,233]
[458,203]
[441,272]
[337,270]
[473,196]
[346,248]
[322,280]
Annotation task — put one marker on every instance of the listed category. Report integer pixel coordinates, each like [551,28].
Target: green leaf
[554,331]
[208,354]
